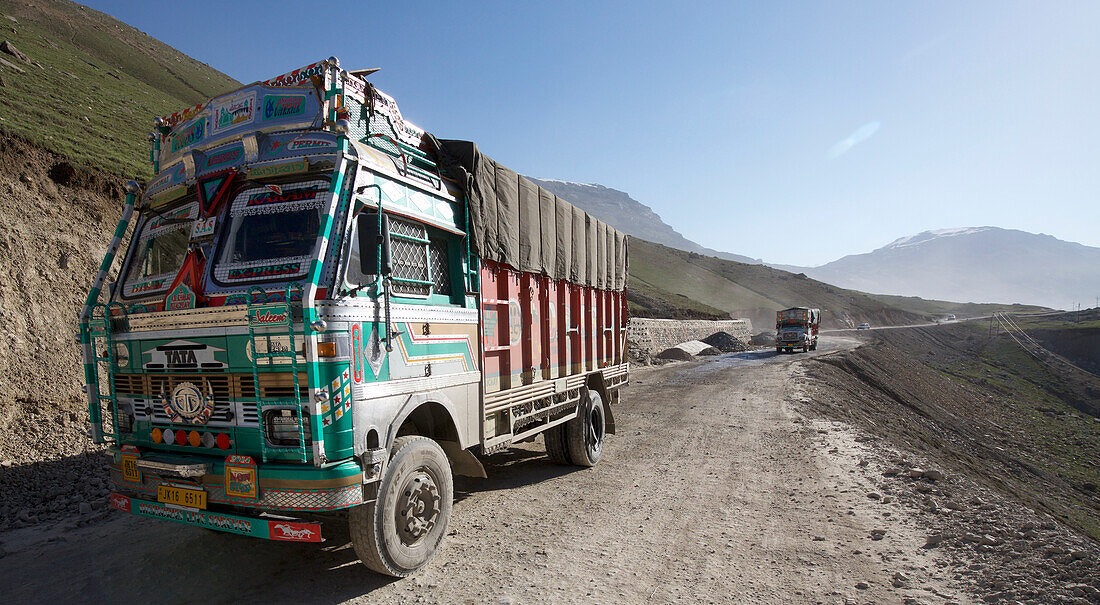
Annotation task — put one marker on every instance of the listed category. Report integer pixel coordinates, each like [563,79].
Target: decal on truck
[240,477]
[234,112]
[189,136]
[283,106]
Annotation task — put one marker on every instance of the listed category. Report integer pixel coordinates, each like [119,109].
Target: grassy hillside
[916,304]
[92,84]
[675,278]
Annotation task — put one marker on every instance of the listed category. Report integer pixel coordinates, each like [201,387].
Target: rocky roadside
[50,472]
[998,550]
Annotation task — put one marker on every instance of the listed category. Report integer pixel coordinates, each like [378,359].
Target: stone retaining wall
[651,336]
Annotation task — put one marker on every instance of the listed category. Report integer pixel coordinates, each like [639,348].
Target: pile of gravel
[726,342]
[675,354]
[687,351]
[762,339]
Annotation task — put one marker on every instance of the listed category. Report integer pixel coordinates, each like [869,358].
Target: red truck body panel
[536,328]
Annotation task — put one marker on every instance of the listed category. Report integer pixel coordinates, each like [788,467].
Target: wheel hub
[595,430]
[418,507]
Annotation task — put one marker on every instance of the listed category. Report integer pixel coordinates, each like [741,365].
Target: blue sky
[793,132]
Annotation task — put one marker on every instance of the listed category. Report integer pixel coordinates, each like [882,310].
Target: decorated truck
[325,313]
[796,328]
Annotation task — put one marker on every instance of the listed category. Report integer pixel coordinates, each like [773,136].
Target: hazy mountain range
[975,264]
[630,216]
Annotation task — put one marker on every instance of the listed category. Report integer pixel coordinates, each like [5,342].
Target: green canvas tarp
[515,222]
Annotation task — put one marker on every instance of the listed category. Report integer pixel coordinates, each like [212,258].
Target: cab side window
[420,257]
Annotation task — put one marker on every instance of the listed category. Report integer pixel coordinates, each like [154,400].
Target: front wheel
[399,533]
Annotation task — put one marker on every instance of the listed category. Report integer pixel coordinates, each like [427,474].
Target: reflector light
[194,438]
[222,441]
[168,436]
[208,440]
[326,349]
[156,435]
[181,437]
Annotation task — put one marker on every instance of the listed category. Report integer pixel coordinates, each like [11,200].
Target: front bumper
[288,530]
[279,487]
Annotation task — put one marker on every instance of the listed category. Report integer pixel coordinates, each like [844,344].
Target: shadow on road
[523,465]
[132,559]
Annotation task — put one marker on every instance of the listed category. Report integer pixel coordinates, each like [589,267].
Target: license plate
[130,470]
[191,498]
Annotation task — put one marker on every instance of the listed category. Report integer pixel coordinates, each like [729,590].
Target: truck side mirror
[374,240]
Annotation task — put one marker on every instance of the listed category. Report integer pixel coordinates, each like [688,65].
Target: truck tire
[399,533]
[554,437]
[813,347]
[805,348]
[585,433]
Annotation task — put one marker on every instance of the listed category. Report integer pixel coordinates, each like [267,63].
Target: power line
[1036,347]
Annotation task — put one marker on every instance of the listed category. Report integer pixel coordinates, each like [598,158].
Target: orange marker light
[194,439]
[156,435]
[326,349]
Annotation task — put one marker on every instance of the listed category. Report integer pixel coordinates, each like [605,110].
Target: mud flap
[463,462]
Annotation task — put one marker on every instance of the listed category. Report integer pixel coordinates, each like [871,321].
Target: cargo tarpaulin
[515,222]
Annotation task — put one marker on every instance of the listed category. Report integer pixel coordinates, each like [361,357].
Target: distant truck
[325,312]
[796,328]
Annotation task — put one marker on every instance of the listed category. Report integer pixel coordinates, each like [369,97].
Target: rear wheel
[805,348]
[554,437]
[585,433]
[399,533]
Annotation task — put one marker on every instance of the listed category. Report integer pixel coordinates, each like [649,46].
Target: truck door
[426,284]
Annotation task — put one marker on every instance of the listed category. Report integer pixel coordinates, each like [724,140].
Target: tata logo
[187,403]
[183,355]
[187,400]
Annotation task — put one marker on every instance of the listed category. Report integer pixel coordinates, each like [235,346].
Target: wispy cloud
[923,49]
[860,135]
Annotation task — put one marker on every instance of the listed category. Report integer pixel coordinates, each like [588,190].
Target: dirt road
[713,490]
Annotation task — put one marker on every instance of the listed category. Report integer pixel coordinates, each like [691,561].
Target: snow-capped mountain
[629,215]
[974,264]
[927,236]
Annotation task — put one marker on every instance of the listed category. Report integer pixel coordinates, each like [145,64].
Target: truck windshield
[273,233]
[158,252]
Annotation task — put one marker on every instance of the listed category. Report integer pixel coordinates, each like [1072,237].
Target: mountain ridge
[630,216]
[972,264]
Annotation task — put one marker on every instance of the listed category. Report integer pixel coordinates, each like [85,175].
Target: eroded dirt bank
[976,410]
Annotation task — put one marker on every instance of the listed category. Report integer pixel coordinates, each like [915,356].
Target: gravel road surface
[713,490]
